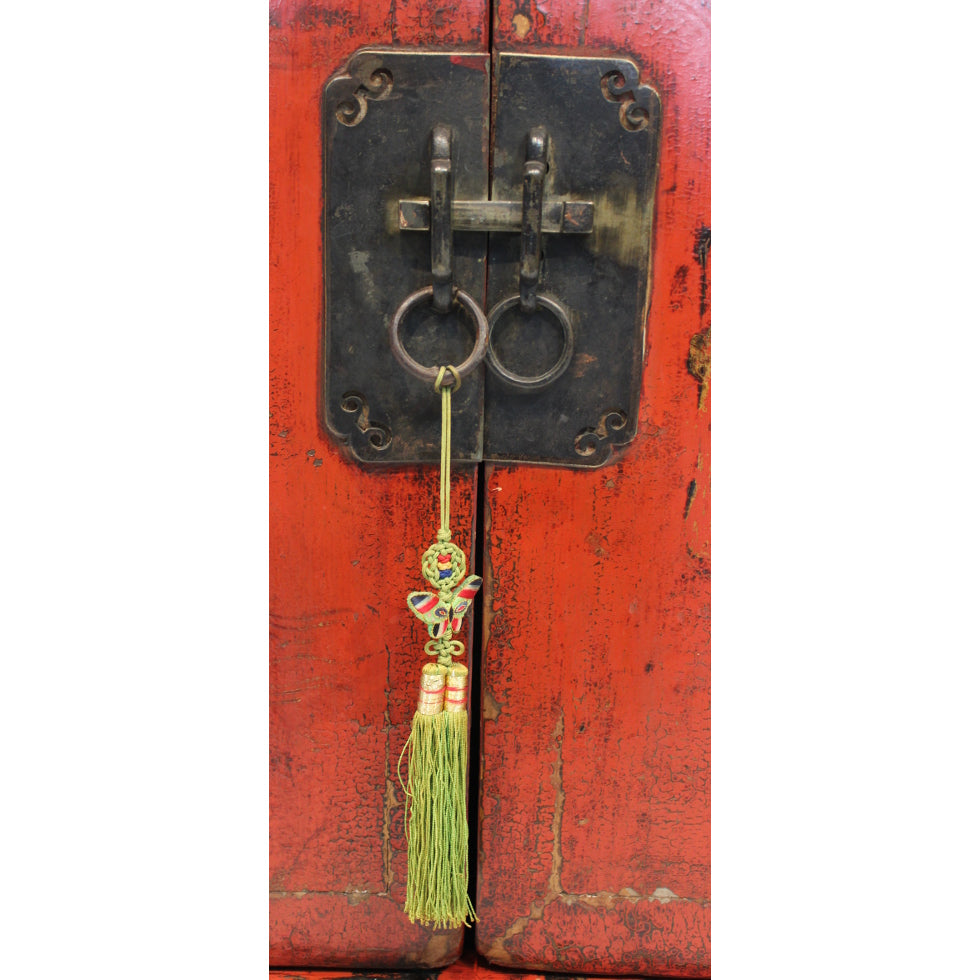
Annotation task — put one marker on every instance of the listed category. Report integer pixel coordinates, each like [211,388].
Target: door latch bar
[557,217]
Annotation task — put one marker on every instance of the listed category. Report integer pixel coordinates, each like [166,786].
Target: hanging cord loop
[446,389]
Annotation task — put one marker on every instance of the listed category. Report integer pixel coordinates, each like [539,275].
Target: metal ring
[554,372]
[430,374]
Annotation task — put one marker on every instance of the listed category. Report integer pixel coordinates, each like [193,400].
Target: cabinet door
[343,541]
[594,782]
[593,838]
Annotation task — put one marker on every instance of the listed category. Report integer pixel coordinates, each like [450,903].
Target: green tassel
[438,837]
[457,731]
[435,798]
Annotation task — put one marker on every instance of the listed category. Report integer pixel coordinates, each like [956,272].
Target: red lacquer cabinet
[592,792]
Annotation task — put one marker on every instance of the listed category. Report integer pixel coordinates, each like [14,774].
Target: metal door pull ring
[556,370]
[430,374]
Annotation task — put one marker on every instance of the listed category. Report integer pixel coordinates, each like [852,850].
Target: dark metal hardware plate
[580,352]
[377,125]
[604,129]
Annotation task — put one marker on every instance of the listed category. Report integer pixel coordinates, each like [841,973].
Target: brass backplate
[377,119]
[603,131]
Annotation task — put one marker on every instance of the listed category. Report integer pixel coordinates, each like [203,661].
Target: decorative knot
[444,650]
[443,565]
[441,378]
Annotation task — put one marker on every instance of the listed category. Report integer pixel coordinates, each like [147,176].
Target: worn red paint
[595,802]
[596,622]
[344,550]
[467,967]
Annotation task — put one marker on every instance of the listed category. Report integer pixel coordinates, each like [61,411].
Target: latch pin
[441,174]
[535,167]
[443,294]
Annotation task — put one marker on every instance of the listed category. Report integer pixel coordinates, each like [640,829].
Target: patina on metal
[603,131]
[441,217]
[535,167]
[442,294]
[378,147]
[550,374]
[557,217]
[430,374]
[527,300]
[562,234]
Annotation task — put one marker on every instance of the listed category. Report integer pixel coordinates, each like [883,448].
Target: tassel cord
[445,452]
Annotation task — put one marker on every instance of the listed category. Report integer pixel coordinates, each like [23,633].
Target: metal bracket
[557,234]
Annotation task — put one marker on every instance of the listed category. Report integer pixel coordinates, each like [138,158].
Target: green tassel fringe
[438,835]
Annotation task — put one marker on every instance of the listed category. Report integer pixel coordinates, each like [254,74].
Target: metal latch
[424,231]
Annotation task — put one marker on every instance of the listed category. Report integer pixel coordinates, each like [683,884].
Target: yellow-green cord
[444,450]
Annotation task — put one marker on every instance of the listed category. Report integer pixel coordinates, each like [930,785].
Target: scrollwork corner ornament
[595,443]
[368,438]
[639,105]
[348,95]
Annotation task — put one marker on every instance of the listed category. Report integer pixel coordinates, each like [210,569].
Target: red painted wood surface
[468,967]
[594,833]
[344,550]
[314,974]
[472,967]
